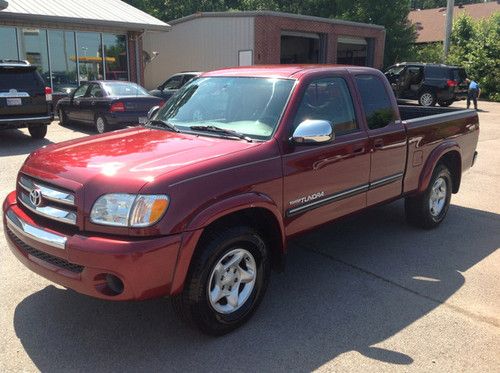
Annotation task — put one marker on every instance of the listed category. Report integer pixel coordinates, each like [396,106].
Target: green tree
[475,45]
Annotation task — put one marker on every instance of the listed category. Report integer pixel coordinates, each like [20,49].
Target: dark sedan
[107,105]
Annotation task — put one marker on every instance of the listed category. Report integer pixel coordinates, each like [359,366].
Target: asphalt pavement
[368,293]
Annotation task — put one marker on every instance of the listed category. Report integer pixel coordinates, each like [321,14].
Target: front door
[387,138]
[73,111]
[329,180]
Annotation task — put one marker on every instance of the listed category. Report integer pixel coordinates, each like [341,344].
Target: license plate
[143,120]
[14,102]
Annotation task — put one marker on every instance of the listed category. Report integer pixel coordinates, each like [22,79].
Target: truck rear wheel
[38,132]
[226,282]
[427,98]
[429,209]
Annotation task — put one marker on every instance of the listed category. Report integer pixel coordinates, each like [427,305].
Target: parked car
[201,202]
[107,105]
[428,83]
[173,84]
[25,100]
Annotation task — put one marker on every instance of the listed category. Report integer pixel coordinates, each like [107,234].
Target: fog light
[114,284]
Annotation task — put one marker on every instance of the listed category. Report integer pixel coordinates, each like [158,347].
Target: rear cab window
[376,101]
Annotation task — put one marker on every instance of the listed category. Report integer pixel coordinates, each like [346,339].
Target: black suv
[25,101]
[428,83]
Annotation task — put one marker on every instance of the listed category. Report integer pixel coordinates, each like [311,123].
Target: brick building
[207,41]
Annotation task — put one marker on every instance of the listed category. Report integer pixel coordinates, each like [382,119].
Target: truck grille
[47,201]
[54,260]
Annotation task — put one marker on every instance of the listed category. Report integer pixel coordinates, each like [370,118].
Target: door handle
[77,102]
[93,103]
[378,143]
[359,150]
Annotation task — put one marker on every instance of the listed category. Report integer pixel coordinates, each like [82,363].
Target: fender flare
[207,216]
[432,161]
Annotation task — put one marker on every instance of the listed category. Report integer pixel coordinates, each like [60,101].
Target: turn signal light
[48,94]
[161,103]
[117,107]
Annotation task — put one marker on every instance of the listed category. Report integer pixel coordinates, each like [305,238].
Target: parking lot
[368,293]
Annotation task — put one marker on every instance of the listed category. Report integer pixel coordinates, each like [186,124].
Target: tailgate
[22,93]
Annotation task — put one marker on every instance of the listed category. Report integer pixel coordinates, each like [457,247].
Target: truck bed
[409,112]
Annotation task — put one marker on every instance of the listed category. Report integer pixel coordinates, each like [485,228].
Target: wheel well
[452,161]
[263,221]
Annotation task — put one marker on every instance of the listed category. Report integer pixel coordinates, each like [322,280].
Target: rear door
[387,138]
[328,180]
[22,92]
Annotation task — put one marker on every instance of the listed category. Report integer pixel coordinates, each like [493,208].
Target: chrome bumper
[23,229]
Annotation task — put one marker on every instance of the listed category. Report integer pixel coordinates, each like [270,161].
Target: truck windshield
[247,106]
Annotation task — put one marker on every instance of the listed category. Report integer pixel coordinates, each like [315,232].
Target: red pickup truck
[200,203]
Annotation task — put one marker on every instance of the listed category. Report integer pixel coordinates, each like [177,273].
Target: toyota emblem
[36,197]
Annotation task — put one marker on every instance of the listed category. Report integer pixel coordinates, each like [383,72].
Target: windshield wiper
[162,124]
[222,131]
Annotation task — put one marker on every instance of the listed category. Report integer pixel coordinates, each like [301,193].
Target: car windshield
[248,106]
[124,89]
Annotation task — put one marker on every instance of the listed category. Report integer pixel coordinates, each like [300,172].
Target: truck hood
[126,160]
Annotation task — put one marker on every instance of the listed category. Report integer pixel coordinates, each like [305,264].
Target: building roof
[430,23]
[106,13]
[269,13]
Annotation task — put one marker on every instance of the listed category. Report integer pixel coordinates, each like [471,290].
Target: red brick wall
[134,37]
[268,37]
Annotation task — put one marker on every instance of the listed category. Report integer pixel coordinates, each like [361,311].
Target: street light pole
[449,24]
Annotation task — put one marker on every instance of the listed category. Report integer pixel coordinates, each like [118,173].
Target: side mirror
[153,111]
[312,131]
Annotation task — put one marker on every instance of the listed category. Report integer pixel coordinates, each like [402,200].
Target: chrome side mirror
[153,111]
[312,131]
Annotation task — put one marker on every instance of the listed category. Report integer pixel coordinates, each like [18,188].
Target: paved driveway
[367,294]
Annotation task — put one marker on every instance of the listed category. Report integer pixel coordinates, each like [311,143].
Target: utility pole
[449,24]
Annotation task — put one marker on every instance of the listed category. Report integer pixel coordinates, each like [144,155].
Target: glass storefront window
[33,48]
[115,53]
[90,56]
[8,51]
[63,61]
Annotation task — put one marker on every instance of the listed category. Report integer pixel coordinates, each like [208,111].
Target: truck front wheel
[429,209]
[226,282]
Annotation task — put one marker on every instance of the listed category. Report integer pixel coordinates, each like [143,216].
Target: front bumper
[83,262]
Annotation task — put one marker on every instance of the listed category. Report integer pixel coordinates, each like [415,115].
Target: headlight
[129,210]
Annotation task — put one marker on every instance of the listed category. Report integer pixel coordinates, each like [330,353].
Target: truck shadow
[17,142]
[347,287]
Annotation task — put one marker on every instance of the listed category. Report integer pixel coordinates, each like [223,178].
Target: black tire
[101,127]
[418,210]
[63,119]
[38,131]
[193,304]
[445,103]
[427,98]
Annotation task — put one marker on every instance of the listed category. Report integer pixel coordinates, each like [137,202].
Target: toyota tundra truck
[200,203]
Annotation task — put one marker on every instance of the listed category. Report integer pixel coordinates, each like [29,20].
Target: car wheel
[429,209]
[101,124]
[227,279]
[427,98]
[38,132]
[63,119]
[445,103]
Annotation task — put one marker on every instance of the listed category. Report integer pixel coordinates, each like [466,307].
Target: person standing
[473,93]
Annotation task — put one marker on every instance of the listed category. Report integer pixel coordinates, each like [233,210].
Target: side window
[173,83]
[376,102]
[96,91]
[328,99]
[80,91]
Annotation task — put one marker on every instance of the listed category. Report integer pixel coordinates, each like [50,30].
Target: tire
[38,132]
[429,209]
[197,304]
[445,103]
[427,98]
[101,125]
[63,119]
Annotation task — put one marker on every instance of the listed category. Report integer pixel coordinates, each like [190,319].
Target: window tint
[328,99]
[19,79]
[376,103]
[96,91]
[81,91]
[435,72]
[174,82]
